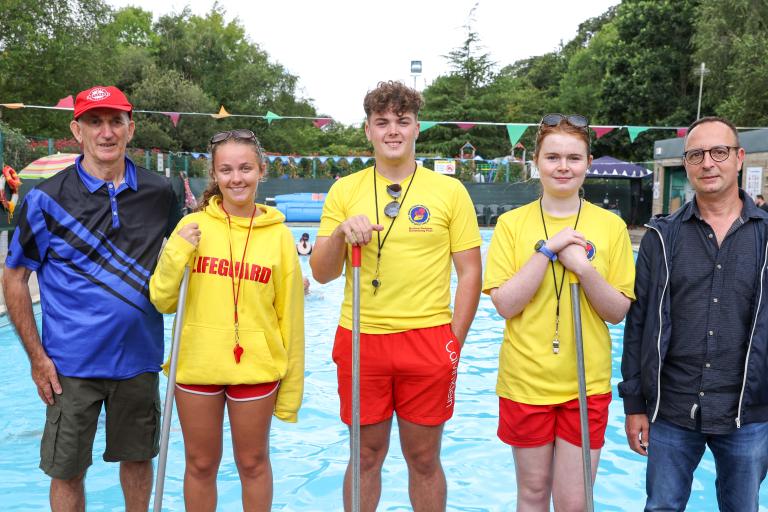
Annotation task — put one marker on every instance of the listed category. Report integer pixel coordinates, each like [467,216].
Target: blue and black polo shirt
[94,247]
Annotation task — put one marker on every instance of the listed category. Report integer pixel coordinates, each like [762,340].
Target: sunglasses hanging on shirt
[391,210]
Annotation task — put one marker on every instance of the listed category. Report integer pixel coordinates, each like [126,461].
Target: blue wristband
[543,249]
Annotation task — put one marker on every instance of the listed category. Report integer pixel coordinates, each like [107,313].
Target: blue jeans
[741,462]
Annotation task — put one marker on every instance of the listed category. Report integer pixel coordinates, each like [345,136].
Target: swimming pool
[309,457]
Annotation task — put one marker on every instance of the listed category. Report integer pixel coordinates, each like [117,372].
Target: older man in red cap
[92,233]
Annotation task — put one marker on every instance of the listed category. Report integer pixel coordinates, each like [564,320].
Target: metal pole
[586,456]
[355,455]
[2,150]
[702,72]
[168,409]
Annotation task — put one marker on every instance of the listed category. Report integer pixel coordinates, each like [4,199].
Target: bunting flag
[285,160]
[322,159]
[174,117]
[350,159]
[271,158]
[601,130]
[67,102]
[634,131]
[515,131]
[365,159]
[336,159]
[298,159]
[222,113]
[271,116]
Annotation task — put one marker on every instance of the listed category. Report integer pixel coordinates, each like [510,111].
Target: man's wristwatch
[541,246]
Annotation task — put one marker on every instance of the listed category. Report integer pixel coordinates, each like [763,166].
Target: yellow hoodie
[270,307]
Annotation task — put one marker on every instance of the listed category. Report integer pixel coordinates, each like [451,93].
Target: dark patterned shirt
[94,246]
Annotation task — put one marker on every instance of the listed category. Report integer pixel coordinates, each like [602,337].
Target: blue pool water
[309,457]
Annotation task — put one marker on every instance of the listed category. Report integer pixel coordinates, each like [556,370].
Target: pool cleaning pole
[583,414]
[355,455]
[168,409]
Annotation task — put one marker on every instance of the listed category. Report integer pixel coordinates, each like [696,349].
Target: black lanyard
[376,281]
[558,290]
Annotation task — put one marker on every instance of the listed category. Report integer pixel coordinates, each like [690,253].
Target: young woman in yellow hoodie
[242,342]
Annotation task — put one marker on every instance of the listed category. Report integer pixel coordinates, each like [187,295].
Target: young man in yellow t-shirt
[411,223]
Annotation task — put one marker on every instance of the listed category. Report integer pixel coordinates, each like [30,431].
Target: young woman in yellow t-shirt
[535,249]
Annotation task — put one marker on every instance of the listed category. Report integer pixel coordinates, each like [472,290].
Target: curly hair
[392,96]
[212,189]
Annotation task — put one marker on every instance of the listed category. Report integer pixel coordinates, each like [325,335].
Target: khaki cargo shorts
[132,423]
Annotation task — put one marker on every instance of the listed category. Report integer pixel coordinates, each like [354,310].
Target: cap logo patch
[98,94]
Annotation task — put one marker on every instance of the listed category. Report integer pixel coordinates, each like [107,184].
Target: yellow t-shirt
[529,372]
[436,219]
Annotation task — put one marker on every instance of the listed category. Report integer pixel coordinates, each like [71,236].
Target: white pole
[168,409]
[586,455]
[702,72]
[355,455]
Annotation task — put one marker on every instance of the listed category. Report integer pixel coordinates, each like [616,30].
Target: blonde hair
[212,189]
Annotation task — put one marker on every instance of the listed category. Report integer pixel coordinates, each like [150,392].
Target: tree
[648,64]
[730,38]
[170,92]
[580,85]
[236,73]
[48,49]
[468,93]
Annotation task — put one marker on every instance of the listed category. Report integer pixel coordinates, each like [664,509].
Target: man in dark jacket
[695,362]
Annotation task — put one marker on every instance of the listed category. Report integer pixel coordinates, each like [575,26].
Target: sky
[340,49]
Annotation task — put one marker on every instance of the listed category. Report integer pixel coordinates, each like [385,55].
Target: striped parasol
[47,166]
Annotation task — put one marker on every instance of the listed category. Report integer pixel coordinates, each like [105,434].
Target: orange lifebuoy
[11,178]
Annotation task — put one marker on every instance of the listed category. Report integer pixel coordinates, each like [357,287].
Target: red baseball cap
[102,97]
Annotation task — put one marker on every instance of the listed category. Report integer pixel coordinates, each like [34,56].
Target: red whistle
[238,353]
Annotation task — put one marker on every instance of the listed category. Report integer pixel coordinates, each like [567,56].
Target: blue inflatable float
[301,207]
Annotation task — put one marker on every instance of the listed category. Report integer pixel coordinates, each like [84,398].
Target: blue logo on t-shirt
[419,214]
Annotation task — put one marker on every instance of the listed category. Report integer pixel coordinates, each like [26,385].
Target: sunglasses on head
[233,134]
[393,208]
[576,120]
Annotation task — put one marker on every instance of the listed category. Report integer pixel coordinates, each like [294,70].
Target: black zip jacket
[648,325]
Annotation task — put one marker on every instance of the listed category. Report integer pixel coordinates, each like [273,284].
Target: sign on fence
[445,166]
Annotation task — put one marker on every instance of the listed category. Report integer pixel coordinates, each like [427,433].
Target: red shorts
[529,426]
[236,392]
[412,373]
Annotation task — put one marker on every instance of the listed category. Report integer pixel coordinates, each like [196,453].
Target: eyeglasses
[233,134]
[393,208]
[716,153]
[576,120]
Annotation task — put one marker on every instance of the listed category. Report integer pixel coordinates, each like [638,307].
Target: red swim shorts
[412,373]
[236,392]
[529,426]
